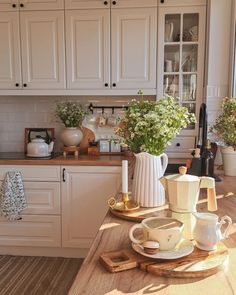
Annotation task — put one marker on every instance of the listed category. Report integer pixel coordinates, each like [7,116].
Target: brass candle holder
[126,204]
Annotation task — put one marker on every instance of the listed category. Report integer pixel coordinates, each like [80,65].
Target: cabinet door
[134,48]
[10,66]
[83,4]
[42,42]
[87,43]
[84,202]
[181,49]
[41,4]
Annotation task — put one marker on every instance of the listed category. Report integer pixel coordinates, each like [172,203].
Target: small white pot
[229,160]
[71,136]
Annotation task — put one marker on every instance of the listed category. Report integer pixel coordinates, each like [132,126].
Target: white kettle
[183,191]
[38,148]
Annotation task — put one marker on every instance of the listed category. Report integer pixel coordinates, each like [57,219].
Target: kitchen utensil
[169,29]
[166,231]
[39,148]
[198,264]
[207,231]
[183,191]
[183,248]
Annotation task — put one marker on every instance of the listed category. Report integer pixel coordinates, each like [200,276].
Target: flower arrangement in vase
[71,114]
[224,131]
[147,128]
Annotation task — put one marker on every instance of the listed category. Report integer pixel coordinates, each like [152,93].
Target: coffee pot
[183,191]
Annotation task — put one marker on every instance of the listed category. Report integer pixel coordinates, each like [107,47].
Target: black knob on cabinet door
[177,144]
[17,84]
[114,84]
[114,2]
[106,84]
[105,2]
[162,1]
[25,85]
[21,5]
[14,5]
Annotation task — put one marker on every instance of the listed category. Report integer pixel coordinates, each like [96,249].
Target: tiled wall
[18,113]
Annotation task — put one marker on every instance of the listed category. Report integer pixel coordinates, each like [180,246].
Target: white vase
[147,189]
[71,136]
[229,160]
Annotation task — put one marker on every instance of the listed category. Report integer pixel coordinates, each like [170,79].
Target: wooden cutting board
[197,264]
[88,135]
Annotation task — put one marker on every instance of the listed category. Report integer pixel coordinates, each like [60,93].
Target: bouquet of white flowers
[148,126]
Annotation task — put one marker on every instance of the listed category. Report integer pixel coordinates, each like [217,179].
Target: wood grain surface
[113,235]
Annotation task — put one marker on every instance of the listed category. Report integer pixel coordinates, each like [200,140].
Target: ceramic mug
[166,231]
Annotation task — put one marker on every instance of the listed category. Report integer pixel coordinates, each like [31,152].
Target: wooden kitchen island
[93,279]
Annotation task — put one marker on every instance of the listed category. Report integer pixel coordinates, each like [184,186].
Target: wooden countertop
[82,160]
[93,279]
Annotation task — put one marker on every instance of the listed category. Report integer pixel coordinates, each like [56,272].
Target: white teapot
[38,148]
[183,191]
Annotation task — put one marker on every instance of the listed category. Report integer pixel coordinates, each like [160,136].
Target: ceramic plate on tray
[183,248]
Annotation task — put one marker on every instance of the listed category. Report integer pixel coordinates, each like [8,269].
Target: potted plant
[71,114]
[224,131]
[147,128]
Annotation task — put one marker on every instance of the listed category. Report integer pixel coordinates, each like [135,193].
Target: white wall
[219,55]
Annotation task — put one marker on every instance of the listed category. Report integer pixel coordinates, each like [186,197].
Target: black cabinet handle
[177,144]
[14,5]
[114,84]
[21,5]
[17,84]
[105,2]
[106,84]
[25,85]
[114,2]
[63,174]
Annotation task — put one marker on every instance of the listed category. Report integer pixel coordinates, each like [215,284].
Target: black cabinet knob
[114,84]
[162,1]
[106,84]
[105,2]
[17,84]
[177,144]
[14,5]
[114,2]
[21,5]
[25,85]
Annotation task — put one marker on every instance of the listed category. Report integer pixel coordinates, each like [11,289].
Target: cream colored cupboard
[85,191]
[111,51]
[40,223]
[32,56]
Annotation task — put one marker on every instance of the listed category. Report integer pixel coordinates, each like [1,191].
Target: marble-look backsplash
[18,113]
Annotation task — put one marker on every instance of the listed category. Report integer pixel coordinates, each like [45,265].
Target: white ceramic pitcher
[207,231]
[147,189]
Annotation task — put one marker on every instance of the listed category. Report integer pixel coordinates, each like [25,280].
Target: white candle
[124,176]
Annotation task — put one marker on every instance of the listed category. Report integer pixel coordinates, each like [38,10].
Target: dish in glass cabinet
[183,248]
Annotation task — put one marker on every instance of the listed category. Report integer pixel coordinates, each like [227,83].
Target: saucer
[183,248]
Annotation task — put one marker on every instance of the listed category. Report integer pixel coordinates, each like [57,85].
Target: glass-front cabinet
[181,37]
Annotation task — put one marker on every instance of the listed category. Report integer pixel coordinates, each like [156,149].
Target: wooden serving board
[197,264]
[142,213]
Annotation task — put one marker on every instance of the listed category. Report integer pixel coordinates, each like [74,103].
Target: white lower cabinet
[85,191]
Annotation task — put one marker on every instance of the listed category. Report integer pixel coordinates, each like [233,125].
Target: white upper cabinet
[85,4]
[88,48]
[10,65]
[42,44]
[134,48]
[8,5]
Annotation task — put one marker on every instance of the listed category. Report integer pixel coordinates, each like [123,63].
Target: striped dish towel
[12,196]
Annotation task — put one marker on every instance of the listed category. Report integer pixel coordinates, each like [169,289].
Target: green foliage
[225,125]
[70,113]
[150,125]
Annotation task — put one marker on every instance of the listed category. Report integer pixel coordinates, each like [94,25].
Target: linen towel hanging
[12,196]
